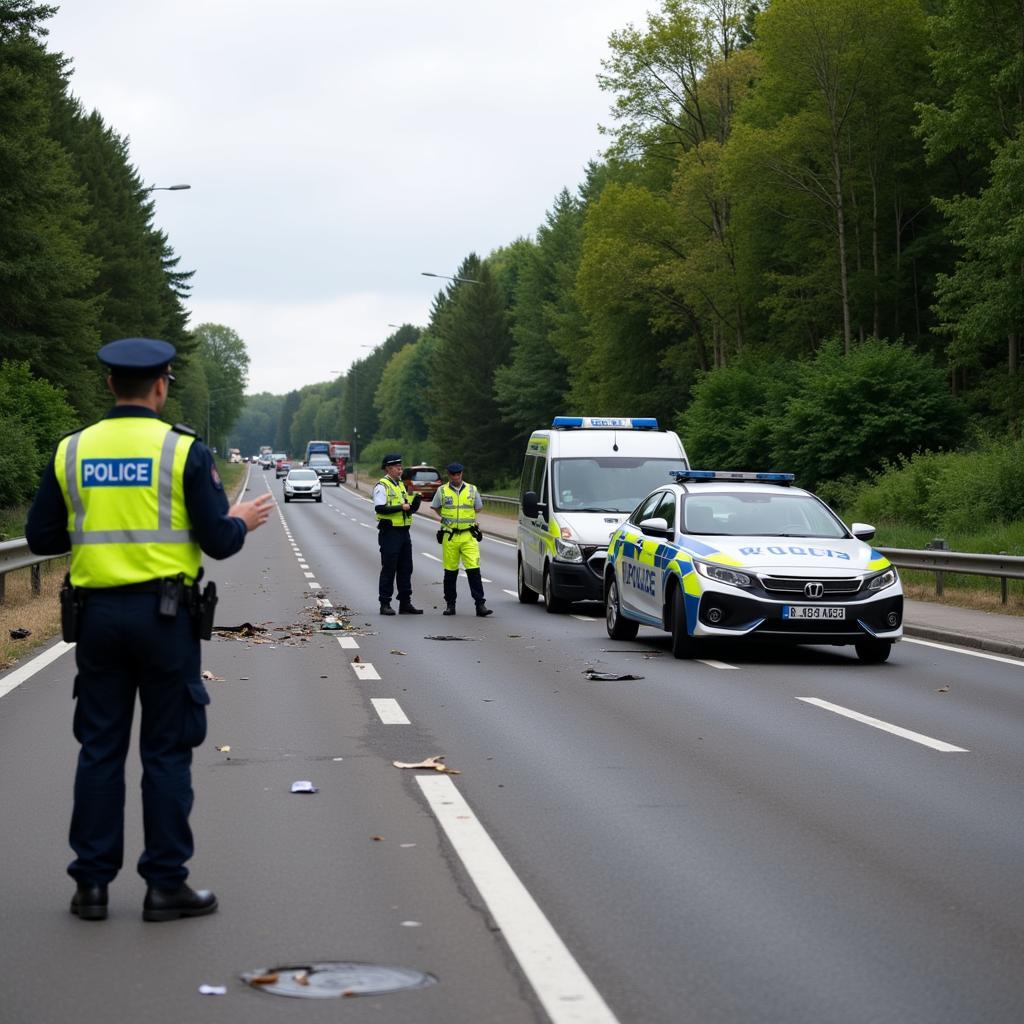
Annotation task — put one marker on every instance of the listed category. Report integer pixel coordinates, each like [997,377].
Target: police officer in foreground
[137,502]
[458,504]
[394,507]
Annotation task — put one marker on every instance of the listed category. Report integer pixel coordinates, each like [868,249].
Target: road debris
[224,748]
[304,786]
[335,980]
[213,990]
[245,629]
[20,633]
[209,677]
[449,637]
[396,651]
[942,689]
[377,839]
[607,677]
[436,762]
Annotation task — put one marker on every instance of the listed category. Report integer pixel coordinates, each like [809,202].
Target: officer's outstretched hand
[253,513]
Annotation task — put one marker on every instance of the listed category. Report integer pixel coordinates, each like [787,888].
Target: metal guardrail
[501,500]
[14,555]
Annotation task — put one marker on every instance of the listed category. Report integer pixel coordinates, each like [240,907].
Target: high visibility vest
[397,495]
[123,482]
[458,507]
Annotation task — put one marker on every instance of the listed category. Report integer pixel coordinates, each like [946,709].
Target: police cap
[137,357]
[454,467]
[391,459]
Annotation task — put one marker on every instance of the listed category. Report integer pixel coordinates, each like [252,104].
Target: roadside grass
[12,522]
[22,610]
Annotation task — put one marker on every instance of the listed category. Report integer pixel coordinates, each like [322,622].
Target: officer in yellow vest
[137,502]
[458,503]
[394,507]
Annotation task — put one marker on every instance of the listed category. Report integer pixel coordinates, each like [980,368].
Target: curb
[944,636]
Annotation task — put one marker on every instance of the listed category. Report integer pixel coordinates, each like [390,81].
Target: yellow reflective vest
[458,507]
[397,495]
[123,482]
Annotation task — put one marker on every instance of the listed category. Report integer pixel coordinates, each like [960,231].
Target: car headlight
[567,551]
[886,578]
[723,574]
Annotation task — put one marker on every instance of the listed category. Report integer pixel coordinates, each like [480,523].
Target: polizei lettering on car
[117,472]
[778,549]
[639,578]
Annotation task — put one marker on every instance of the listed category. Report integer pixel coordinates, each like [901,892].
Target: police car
[747,556]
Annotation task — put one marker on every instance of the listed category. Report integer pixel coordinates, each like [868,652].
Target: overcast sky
[337,148]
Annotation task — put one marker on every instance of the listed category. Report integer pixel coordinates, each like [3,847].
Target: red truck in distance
[340,453]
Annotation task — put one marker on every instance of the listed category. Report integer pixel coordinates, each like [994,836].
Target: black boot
[386,609]
[482,610]
[449,608]
[406,608]
[90,902]
[170,904]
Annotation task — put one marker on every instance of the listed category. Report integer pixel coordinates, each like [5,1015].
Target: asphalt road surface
[762,836]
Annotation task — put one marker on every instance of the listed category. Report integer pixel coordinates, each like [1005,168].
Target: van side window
[529,481]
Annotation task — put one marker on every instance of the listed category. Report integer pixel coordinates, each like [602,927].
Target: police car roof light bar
[696,475]
[604,423]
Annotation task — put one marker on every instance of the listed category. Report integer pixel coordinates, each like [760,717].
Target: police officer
[137,502]
[458,504]
[394,507]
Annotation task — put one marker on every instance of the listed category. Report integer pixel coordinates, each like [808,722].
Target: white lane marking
[565,992]
[309,575]
[348,642]
[507,543]
[313,585]
[14,679]
[964,650]
[511,593]
[877,723]
[587,618]
[303,565]
[364,670]
[715,664]
[427,554]
[484,579]
[324,603]
[367,525]
[389,711]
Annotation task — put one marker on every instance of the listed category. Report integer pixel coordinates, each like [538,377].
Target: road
[719,841]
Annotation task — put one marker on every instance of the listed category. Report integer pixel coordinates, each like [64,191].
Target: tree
[257,424]
[225,360]
[47,315]
[473,340]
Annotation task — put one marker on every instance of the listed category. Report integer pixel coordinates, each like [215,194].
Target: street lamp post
[166,188]
[445,277]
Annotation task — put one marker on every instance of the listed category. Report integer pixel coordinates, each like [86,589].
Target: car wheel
[683,645]
[552,605]
[319,497]
[619,628]
[873,652]
[286,499]
[526,595]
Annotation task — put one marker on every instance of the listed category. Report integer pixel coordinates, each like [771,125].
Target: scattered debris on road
[396,651]
[304,786]
[209,677]
[449,637]
[213,990]
[608,677]
[20,633]
[224,748]
[436,762]
[336,980]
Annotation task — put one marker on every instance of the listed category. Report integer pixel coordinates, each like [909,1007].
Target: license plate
[813,611]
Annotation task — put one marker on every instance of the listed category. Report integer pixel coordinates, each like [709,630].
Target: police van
[581,479]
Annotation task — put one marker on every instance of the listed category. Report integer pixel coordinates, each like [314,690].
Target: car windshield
[302,474]
[425,476]
[319,460]
[612,484]
[749,513]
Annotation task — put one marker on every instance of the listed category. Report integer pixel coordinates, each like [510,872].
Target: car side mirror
[531,507]
[863,531]
[656,528]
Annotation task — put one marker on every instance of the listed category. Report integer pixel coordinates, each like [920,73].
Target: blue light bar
[724,474]
[604,423]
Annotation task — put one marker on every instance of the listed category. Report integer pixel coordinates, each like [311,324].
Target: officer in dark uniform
[394,507]
[137,502]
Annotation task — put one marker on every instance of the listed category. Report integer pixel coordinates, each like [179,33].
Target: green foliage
[257,424]
[950,492]
[34,415]
[225,361]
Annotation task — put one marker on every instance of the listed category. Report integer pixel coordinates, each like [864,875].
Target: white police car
[747,555]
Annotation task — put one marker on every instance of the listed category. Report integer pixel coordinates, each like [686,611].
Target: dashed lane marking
[715,664]
[348,642]
[511,593]
[877,723]
[309,575]
[565,992]
[364,670]
[427,554]
[587,618]
[389,711]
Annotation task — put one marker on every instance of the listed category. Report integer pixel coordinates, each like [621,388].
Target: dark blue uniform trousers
[395,560]
[125,648]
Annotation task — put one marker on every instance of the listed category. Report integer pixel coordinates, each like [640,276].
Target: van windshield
[611,484]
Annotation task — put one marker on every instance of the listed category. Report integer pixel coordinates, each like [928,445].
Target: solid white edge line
[511,593]
[14,679]
[349,642]
[715,664]
[965,650]
[566,993]
[389,711]
[364,670]
[427,554]
[877,723]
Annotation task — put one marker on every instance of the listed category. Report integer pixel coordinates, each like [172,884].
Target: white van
[581,480]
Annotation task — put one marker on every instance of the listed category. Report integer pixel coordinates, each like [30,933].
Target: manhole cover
[333,980]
